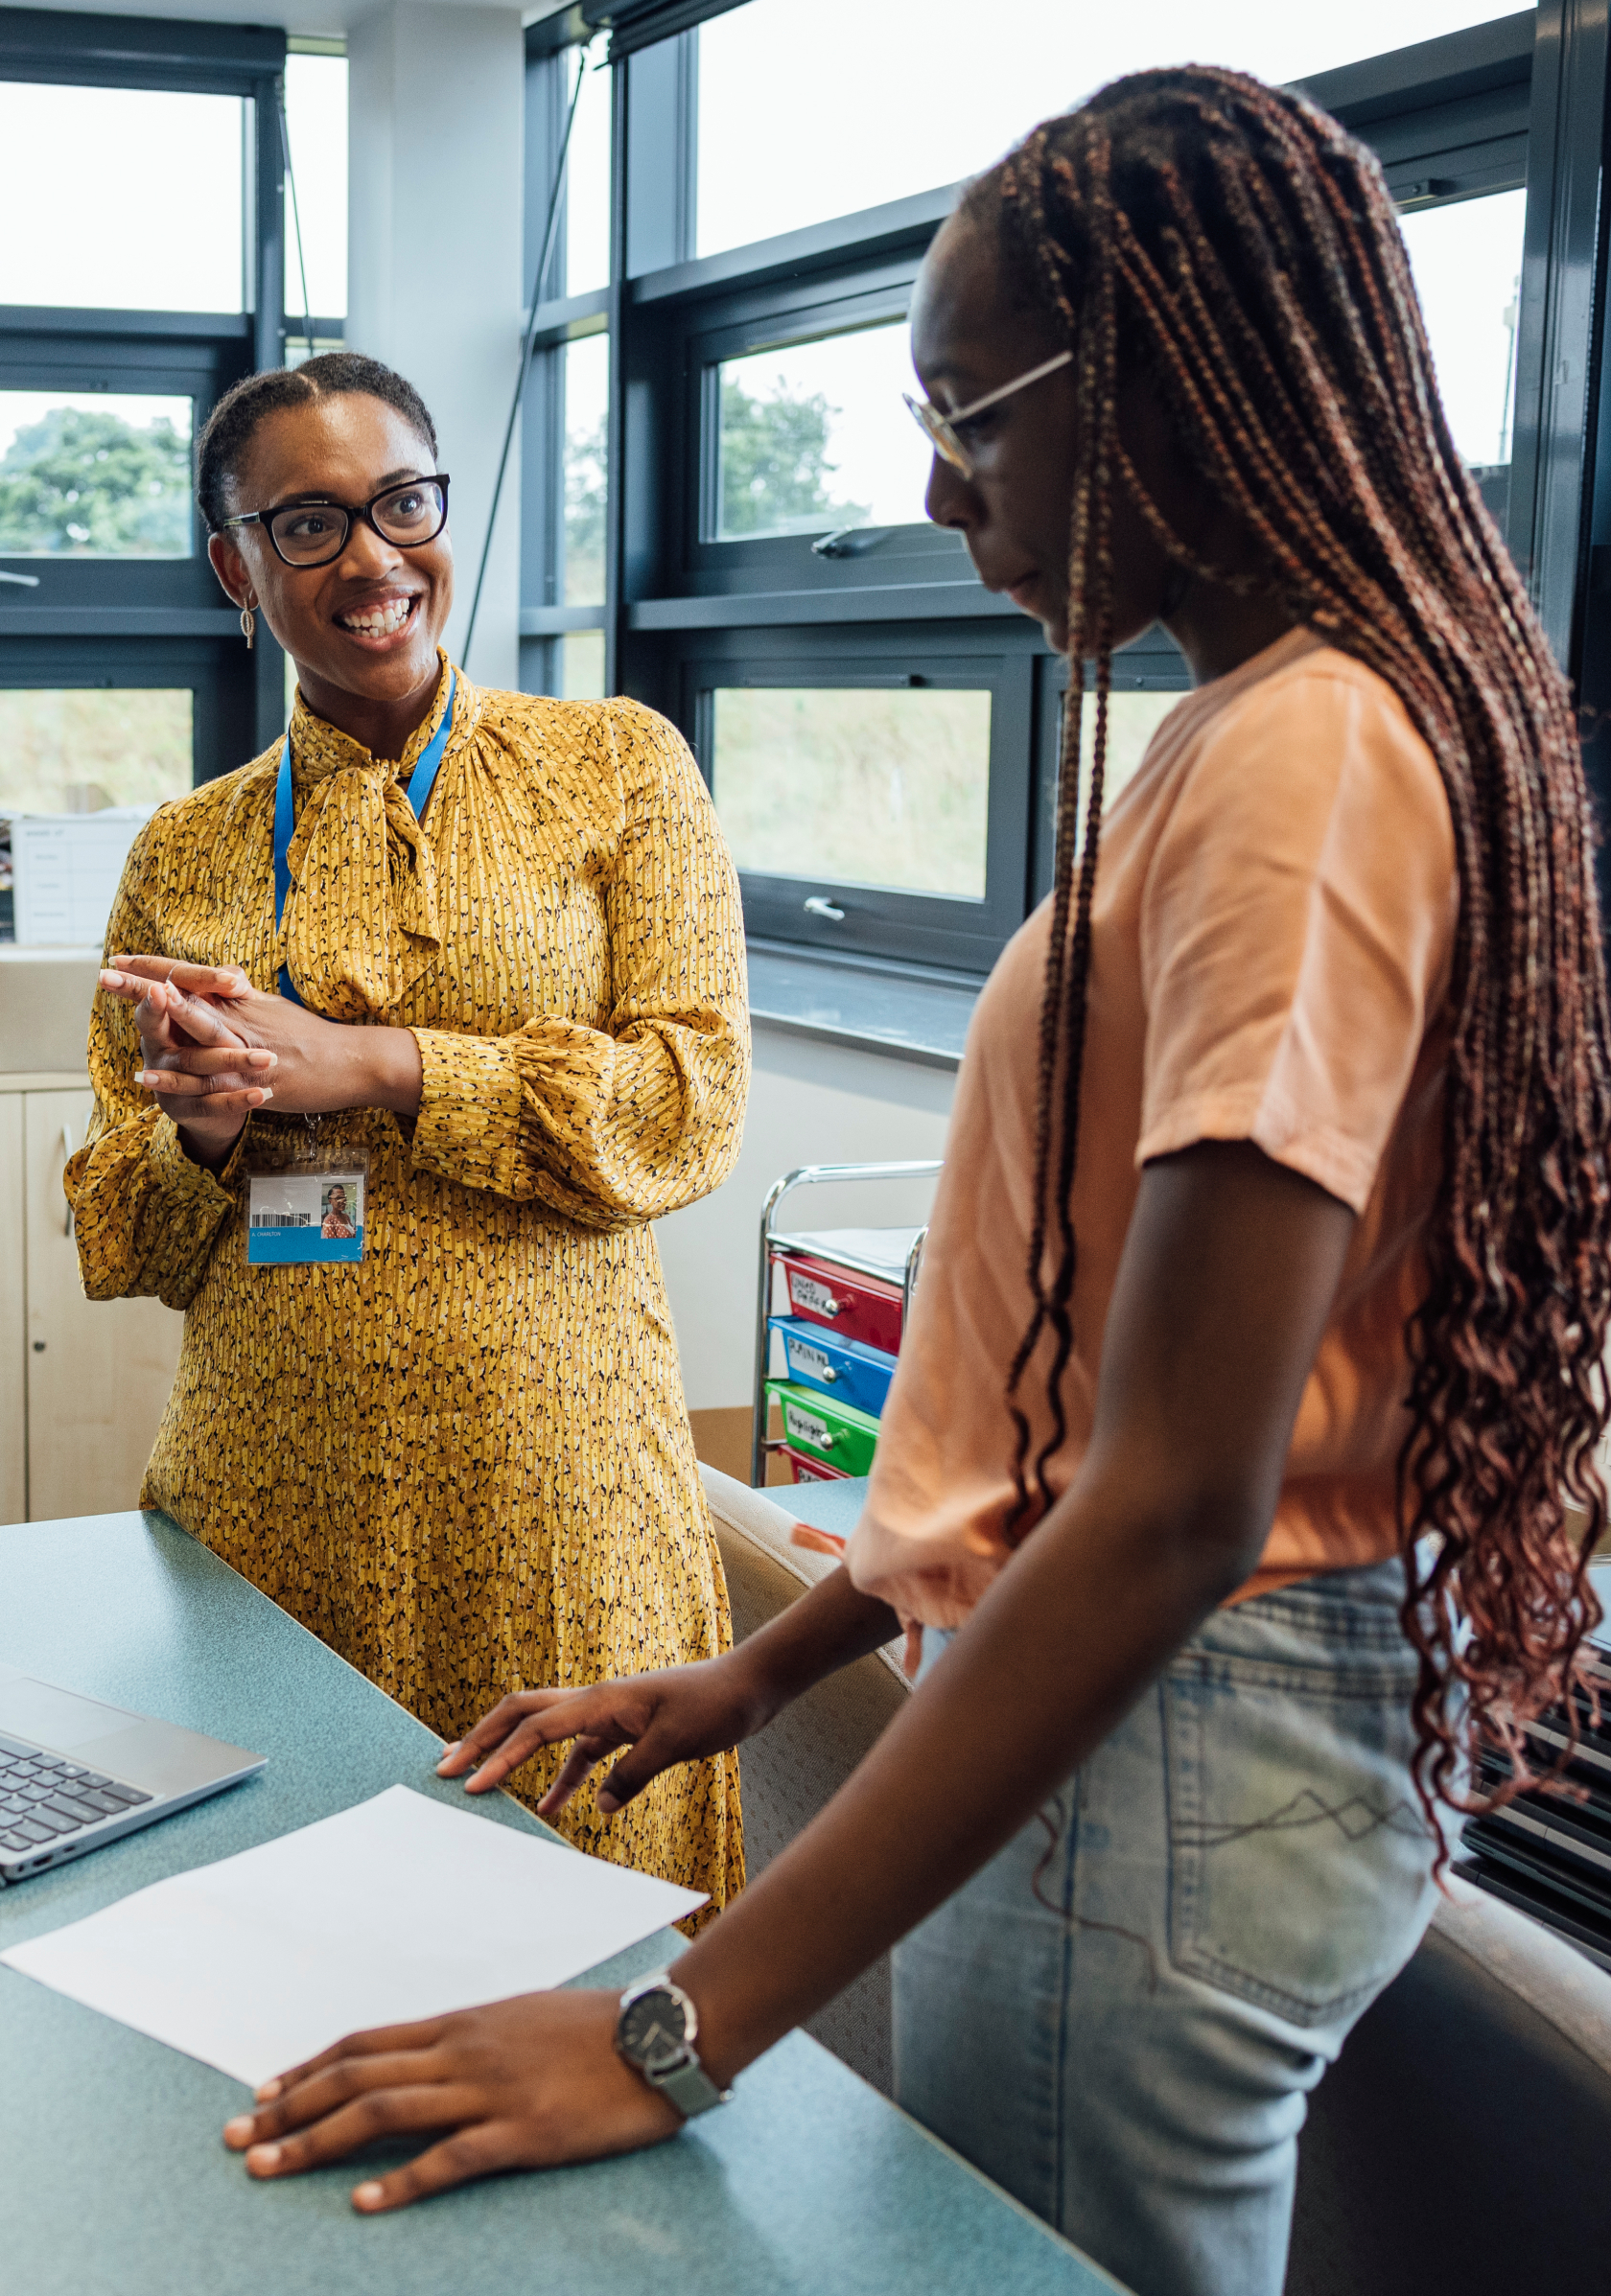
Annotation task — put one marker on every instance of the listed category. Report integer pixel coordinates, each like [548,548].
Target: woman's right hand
[678,1714]
[184,1037]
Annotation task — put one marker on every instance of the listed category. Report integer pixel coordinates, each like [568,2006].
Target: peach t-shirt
[1273,921]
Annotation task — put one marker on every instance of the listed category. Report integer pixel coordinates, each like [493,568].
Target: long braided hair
[1237,248]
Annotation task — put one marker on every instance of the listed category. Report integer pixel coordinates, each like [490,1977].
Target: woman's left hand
[519,2084]
[321,1064]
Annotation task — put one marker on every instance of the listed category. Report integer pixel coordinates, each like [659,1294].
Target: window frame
[930,930]
[172,610]
[1518,99]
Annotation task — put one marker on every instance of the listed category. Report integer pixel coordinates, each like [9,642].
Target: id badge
[306,1212]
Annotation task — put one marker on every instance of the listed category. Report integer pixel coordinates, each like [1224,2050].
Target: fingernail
[264,2156]
[269,2089]
[608,1803]
[238,2130]
[368,2196]
[448,1754]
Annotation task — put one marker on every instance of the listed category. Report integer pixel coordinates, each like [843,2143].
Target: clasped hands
[213,1048]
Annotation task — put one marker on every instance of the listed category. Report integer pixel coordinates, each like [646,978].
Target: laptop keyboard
[45,1799]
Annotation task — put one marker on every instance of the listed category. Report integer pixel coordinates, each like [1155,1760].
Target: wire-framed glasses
[313,533]
[942,429]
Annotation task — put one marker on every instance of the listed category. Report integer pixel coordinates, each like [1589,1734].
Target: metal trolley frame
[775,1245]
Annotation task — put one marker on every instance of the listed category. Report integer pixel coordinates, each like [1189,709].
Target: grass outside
[74,751]
[856,786]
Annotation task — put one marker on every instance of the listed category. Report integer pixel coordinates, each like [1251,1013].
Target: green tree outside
[775,471]
[81,483]
[585,494]
[775,480]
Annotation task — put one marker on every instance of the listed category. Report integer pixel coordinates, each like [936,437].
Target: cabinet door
[98,1371]
[13,1338]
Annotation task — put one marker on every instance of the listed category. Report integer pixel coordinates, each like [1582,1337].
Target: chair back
[802,1759]
[1461,2140]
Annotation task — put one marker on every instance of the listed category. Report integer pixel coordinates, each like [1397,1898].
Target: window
[813,435]
[1467,261]
[81,752]
[566,412]
[587,187]
[586,384]
[100,175]
[856,786]
[878,103]
[147,280]
[865,784]
[723,513]
[94,474]
[316,102]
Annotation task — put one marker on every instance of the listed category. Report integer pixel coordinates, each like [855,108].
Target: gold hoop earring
[248,624]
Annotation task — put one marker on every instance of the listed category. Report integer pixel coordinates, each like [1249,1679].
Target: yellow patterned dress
[465,1463]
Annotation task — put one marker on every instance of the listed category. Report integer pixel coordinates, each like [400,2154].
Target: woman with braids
[1256,1355]
[478,960]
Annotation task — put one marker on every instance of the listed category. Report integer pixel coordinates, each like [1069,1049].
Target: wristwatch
[655,2032]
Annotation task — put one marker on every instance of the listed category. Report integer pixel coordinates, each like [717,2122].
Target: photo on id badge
[305,1212]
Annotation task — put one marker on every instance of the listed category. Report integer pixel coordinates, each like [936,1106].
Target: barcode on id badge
[282,1219]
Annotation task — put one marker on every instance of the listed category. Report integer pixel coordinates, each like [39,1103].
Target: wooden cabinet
[84,1383]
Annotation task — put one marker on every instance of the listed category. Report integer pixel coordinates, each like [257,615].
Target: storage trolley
[848,1292]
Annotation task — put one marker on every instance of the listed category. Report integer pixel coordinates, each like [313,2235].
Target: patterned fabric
[464,1463]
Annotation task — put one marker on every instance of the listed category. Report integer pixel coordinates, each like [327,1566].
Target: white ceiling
[306,16]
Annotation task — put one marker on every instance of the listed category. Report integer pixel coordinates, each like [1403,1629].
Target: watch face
[653,2030]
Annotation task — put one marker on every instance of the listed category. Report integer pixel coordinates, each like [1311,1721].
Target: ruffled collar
[359,922]
[317,748]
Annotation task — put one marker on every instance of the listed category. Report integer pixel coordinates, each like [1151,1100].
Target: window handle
[850,541]
[819,906]
[22,581]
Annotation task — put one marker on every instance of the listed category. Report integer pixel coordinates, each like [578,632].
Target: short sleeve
[1298,929]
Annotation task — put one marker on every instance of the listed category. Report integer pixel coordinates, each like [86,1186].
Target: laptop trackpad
[58,1718]
[161,1758]
[158,1756]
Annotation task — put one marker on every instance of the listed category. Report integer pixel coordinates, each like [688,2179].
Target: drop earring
[248,624]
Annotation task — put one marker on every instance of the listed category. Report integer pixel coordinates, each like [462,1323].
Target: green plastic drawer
[837,1433]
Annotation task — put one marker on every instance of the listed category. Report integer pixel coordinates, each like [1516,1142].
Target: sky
[887,96]
[103,174]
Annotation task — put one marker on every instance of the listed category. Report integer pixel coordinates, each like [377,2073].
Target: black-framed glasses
[312,533]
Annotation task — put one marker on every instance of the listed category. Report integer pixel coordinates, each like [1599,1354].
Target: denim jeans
[1121,2017]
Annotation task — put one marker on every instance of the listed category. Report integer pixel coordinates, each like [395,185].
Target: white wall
[436,103]
[810,1103]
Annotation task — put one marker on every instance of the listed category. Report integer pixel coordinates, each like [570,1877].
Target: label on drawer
[812,1361]
[806,1292]
[805,1426]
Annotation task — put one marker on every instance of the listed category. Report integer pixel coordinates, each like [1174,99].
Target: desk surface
[116,2182]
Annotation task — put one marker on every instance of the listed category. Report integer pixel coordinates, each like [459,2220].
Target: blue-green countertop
[115,2181]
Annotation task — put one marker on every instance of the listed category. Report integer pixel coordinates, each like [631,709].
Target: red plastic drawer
[811,1470]
[855,1306]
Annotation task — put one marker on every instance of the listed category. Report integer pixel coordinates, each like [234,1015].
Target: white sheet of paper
[395,1909]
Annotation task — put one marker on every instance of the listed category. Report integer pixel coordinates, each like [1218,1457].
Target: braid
[1244,250]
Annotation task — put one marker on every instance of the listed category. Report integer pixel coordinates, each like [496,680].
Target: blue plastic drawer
[847,1369]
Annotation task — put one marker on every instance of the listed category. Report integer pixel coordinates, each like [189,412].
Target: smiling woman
[477,958]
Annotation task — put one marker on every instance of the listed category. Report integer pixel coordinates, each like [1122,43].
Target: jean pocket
[1299,1867]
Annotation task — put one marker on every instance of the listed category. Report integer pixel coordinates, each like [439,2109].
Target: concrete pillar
[437,98]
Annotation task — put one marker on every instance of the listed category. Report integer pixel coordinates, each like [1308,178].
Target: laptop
[74,1772]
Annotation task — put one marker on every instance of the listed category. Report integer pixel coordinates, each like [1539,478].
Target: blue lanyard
[421,783]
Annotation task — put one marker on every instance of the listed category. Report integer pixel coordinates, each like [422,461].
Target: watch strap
[688,2085]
